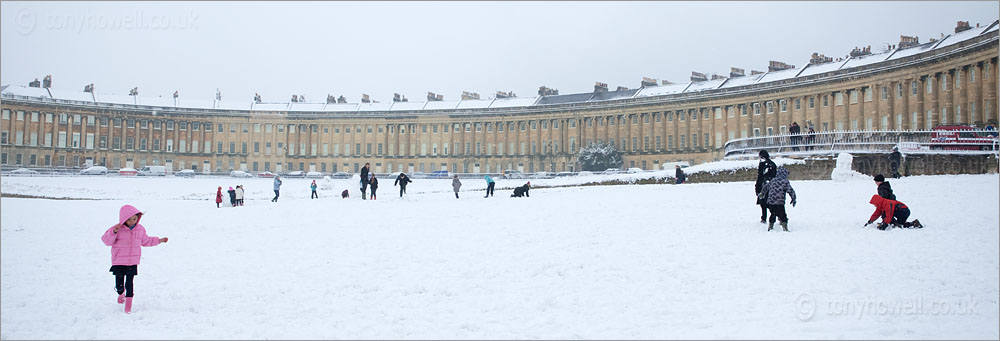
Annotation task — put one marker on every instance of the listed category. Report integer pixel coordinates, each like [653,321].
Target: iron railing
[970,141]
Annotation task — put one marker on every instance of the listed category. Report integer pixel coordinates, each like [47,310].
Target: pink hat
[230,188]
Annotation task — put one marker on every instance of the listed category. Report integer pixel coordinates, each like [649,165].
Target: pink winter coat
[125,245]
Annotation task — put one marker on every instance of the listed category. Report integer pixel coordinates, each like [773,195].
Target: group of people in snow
[235,196]
[772,185]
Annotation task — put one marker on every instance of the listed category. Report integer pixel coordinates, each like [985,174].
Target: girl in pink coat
[125,240]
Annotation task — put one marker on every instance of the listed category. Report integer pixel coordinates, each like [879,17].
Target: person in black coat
[884,189]
[364,180]
[402,180]
[796,138]
[374,185]
[679,174]
[766,170]
[521,191]
[894,160]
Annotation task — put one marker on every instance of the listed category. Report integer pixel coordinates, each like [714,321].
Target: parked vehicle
[513,174]
[341,175]
[957,137]
[187,173]
[265,174]
[634,170]
[584,173]
[295,174]
[611,171]
[562,174]
[24,171]
[153,171]
[240,174]
[671,165]
[440,175]
[94,170]
[127,171]
[541,175]
[314,175]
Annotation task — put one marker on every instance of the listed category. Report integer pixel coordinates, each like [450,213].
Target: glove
[882,226]
[868,223]
[793,203]
[164,239]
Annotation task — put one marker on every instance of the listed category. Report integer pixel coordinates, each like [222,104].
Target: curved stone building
[909,86]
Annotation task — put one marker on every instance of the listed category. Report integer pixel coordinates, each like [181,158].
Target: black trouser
[489,188]
[123,283]
[217,205]
[275,196]
[314,195]
[364,189]
[899,216]
[373,191]
[402,189]
[763,212]
[894,167]
[778,211]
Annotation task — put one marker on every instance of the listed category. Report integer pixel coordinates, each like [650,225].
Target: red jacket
[218,196]
[884,208]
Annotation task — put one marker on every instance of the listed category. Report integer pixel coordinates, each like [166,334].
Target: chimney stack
[365,99]
[906,41]
[755,72]
[545,91]
[715,76]
[646,81]
[35,84]
[621,88]
[431,97]
[698,77]
[469,95]
[962,26]
[778,66]
[508,94]
[341,99]
[600,87]
[665,82]
[736,72]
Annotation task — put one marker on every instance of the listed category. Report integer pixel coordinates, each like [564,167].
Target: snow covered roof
[240,105]
[441,105]
[741,81]
[20,90]
[195,103]
[306,107]
[513,102]
[407,106]
[610,95]
[706,85]
[341,107]
[662,90]
[381,106]
[255,106]
[775,76]
[815,69]
[560,99]
[474,104]
[167,102]
[79,96]
[865,60]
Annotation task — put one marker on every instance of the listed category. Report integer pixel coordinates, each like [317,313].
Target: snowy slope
[653,261]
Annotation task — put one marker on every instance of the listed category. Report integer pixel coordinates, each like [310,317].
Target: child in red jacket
[892,212]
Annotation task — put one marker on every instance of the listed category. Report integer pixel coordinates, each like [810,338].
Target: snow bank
[844,172]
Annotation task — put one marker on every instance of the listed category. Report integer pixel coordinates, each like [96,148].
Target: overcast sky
[349,48]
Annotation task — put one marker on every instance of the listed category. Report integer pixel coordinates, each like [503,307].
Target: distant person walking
[218,197]
[364,180]
[489,186]
[402,180]
[313,188]
[277,188]
[456,185]
[373,182]
[679,174]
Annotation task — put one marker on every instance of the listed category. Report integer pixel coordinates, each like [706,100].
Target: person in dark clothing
[810,138]
[776,189]
[679,174]
[232,197]
[364,180]
[884,189]
[894,160]
[402,180]
[373,182]
[345,194]
[521,191]
[766,170]
[795,130]
[489,186]
[892,212]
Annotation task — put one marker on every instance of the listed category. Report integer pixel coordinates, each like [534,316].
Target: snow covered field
[652,261]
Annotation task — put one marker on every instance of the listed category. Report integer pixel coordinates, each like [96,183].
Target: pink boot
[121,298]
[128,305]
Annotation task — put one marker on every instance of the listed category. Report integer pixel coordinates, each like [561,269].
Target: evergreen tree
[599,156]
